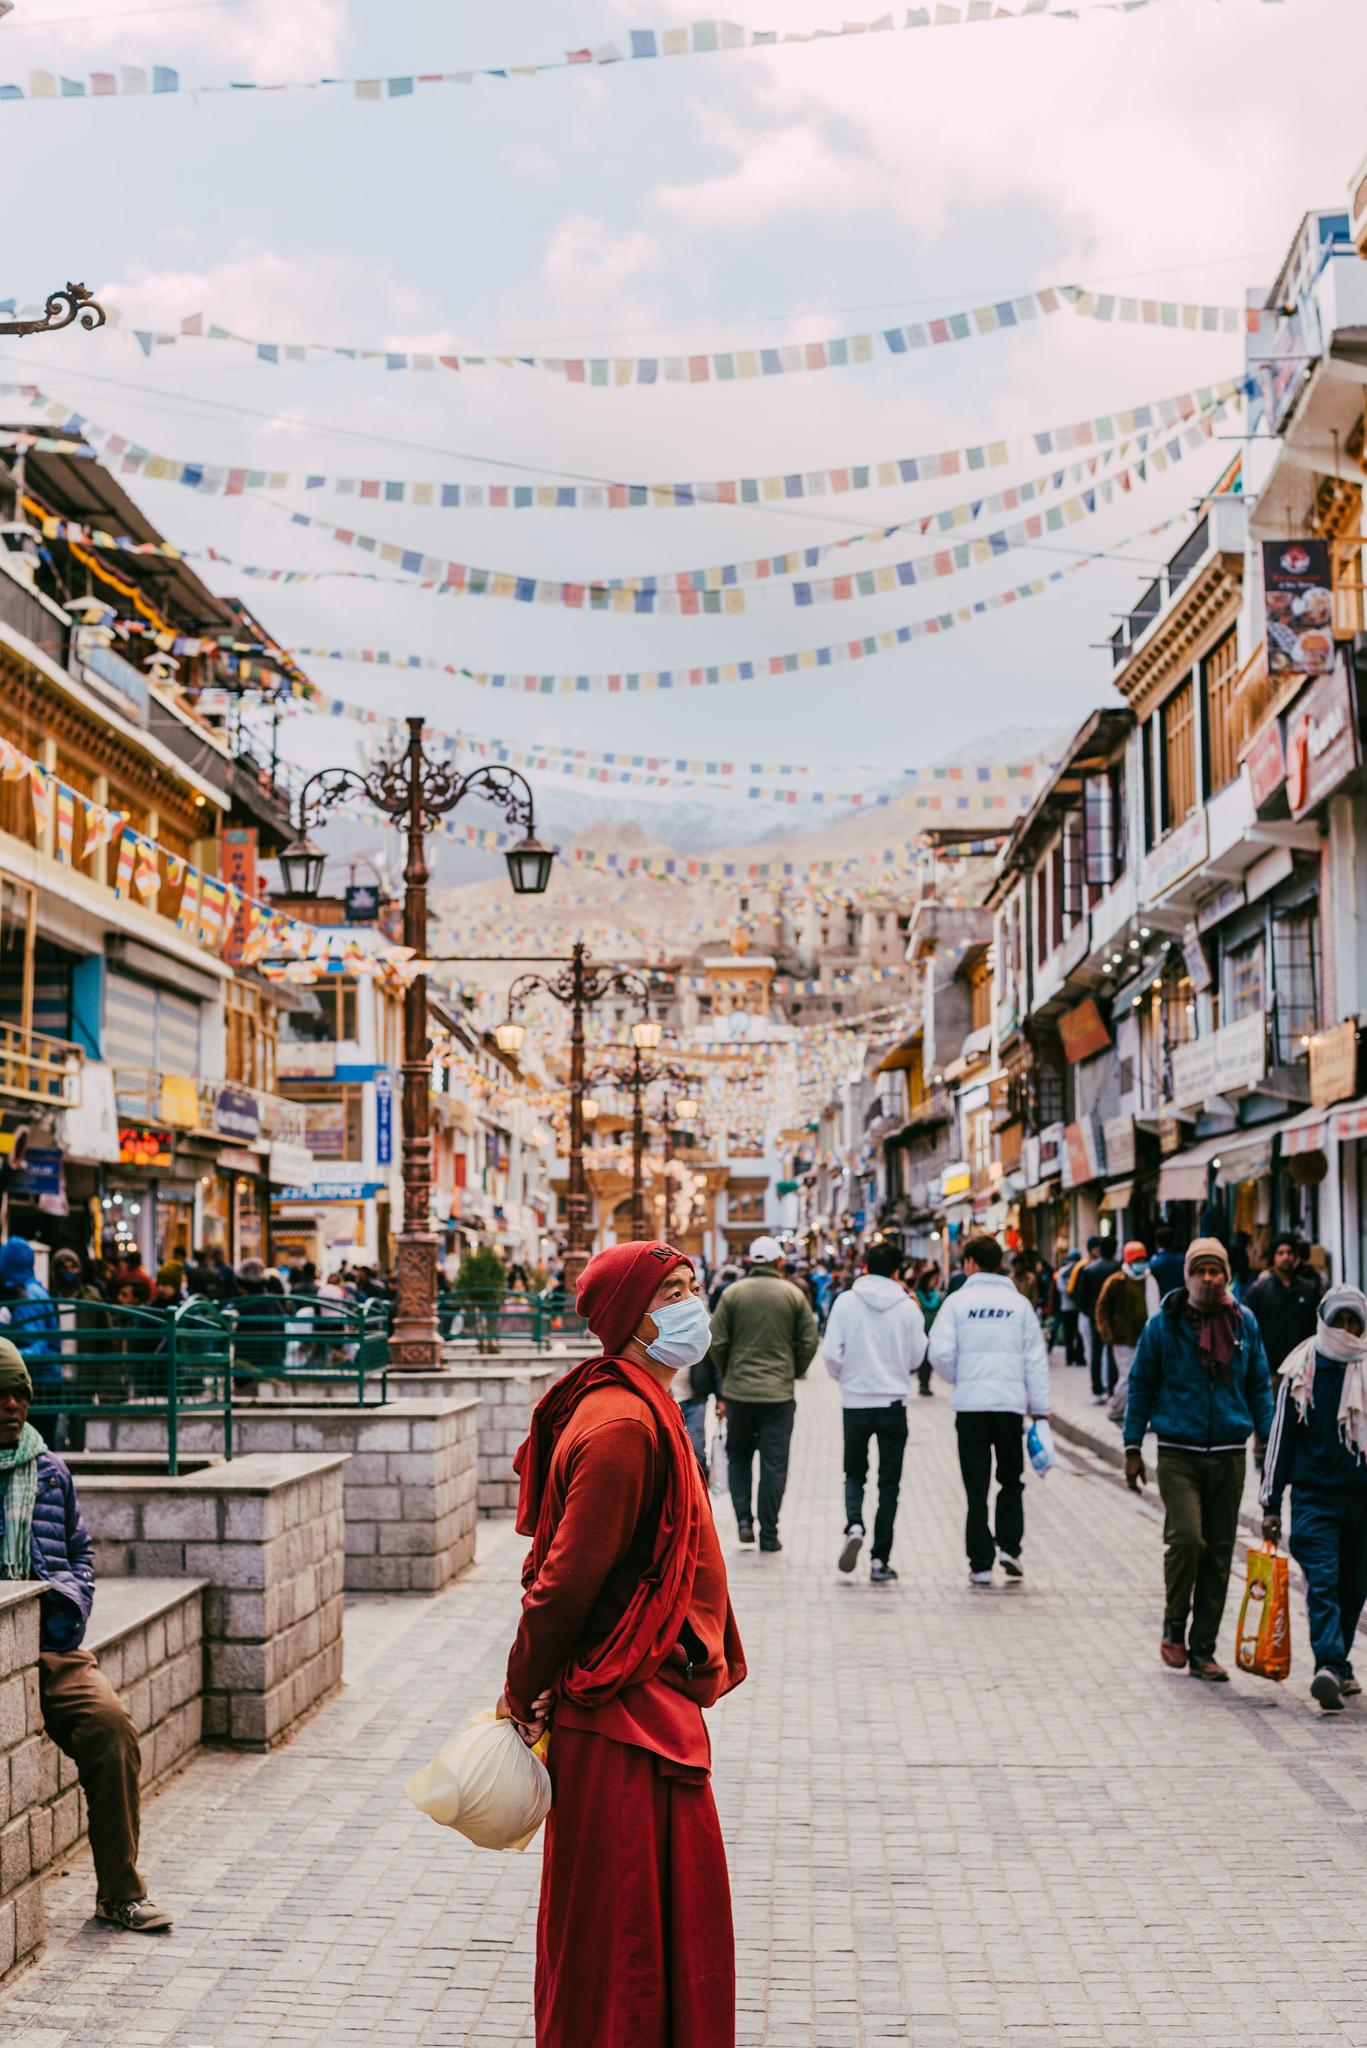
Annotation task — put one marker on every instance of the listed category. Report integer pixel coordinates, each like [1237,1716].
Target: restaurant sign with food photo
[1298,599]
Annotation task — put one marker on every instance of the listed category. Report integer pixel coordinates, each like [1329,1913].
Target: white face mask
[685,1332]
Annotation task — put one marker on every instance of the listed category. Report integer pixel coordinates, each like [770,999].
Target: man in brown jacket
[1122,1309]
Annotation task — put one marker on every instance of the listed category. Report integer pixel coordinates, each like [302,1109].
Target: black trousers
[766,1427]
[1101,1358]
[888,1425]
[983,1437]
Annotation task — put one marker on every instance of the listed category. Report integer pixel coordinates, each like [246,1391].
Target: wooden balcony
[34,1068]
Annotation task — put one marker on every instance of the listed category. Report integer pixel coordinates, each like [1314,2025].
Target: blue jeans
[1329,1543]
[695,1422]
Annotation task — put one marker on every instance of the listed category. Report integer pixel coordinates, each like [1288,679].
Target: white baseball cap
[767,1251]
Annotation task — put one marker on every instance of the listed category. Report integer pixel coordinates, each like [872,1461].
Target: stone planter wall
[147,1637]
[266,1533]
[409,1484]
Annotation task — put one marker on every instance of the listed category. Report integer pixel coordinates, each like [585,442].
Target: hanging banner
[1298,606]
[698,39]
[74,431]
[729,366]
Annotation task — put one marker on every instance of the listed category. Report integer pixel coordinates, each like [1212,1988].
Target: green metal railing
[489,1320]
[141,1363]
[303,1337]
[151,1364]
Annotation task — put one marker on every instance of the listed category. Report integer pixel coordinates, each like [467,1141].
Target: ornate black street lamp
[62,308]
[414,789]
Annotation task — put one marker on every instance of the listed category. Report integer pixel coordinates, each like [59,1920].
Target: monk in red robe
[626,1635]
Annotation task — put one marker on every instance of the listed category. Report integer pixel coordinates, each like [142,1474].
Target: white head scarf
[1340,1347]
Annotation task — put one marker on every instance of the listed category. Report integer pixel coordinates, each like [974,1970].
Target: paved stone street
[953,1818]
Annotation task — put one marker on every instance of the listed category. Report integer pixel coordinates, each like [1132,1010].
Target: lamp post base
[414,1343]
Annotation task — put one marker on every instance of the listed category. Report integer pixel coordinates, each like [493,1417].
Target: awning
[1119,1196]
[1183,1178]
[1305,1133]
[1351,1120]
[1041,1192]
[1247,1161]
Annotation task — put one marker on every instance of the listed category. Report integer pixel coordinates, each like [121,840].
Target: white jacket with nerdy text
[987,1341]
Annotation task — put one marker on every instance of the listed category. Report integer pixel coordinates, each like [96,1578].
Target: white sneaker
[854,1543]
[980,1578]
[1012,1566]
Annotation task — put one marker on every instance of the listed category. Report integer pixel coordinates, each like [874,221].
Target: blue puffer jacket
[27,1314]
[1310,1455]
[1171,1392]
[61,1555]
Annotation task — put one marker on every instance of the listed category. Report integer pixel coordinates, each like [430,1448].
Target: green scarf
[19,1475]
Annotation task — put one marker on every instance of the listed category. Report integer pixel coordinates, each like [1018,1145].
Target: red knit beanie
[618,1285]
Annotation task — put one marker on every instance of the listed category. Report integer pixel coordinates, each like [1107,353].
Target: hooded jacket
[27,1313]
[1309,1454]
[874,1341]
[61,1555]
[988,1343]
[1172,1393]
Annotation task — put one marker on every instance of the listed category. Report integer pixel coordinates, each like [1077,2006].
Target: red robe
[626,1617]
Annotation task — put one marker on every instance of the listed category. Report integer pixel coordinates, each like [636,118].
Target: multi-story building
[136,1047]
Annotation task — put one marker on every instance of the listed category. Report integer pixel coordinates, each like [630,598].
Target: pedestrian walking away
[874,1341]
[1122,1309]
[1065,1330]
[987,1342]
[626,1635]
[1318,1448]
[42,1536]
[928,1299]
[1200,1382]
[764,1336]
[1087,1283]
[1285,1304]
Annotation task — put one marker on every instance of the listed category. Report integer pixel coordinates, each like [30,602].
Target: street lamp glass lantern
[529,866]
[686,1108]
[588,1109]
[646,1035]
[509,1036]
[301,868]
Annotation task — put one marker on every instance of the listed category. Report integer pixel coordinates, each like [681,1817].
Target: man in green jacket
[764,1336]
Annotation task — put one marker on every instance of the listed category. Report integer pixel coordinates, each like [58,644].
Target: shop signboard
[325,1129]
[1030,1161]
[41,1173]
[1050,1151]
[237,1114]
[1118,1133]
[178,1101]
[1266,761]
[306,1059]
[237,867]
[1298,607]
[1184,848]
[1195,961]
[1221,1062]
[1082,1153]
[363,903]
[1322,745]
[1215,909]
[1333,1064]
[139,1146]
[331,1191]
[384,1117]
[1083,1031]
[290,1163]
[956,1180]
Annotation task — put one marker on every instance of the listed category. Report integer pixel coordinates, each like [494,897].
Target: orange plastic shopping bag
[1262,1644]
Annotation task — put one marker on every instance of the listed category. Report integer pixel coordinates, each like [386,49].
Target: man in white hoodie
[874,1341]
[988,1343]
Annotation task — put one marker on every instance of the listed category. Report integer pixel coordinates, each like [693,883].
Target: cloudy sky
[710,202]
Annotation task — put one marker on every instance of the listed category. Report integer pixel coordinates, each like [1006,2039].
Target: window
[1295,976]
[980,1002]
[1103,813]
[1146,757]
[333,1127]
[1074,862]
[745,1204]
[329,1015]
[1041,888]
[1223,724]
[1179,756]
[1245,979]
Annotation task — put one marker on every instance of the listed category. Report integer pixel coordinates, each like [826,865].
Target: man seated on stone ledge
[43,1537]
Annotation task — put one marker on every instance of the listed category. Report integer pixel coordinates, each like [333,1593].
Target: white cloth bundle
[486,1784]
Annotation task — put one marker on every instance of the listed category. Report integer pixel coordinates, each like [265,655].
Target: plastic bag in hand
[1040,1444]
[486,1784]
